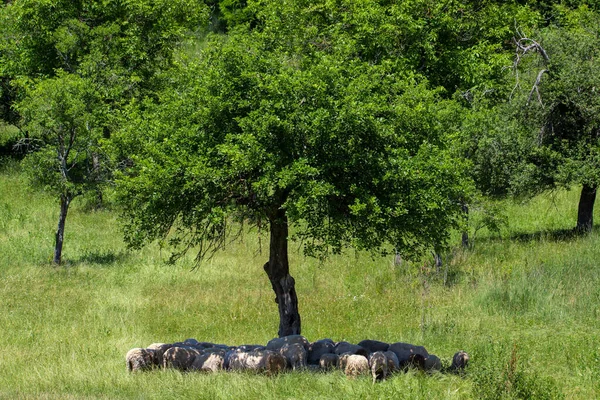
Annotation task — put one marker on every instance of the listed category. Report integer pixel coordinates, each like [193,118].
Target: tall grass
[64,330]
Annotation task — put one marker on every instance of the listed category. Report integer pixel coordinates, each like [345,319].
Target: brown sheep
[267,361]
[378,364]
[356,365]
[180,358]
[139,359]
[208,362]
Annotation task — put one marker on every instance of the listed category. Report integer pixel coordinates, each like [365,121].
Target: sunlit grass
[64,330]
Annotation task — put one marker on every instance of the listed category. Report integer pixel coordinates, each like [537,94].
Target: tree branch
[523,46]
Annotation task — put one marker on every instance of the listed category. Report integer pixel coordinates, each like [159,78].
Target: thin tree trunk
[60,231]
[277,269]
[585,214]
[465,232]
[96,167]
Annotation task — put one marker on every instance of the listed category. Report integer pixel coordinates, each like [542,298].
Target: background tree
[557,95]
[59,117]
[119,46]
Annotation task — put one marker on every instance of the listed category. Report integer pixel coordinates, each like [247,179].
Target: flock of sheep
[293,352]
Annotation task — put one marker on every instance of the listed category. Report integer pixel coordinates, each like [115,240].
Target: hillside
[524,303]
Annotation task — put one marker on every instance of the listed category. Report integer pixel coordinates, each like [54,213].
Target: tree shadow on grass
[456,275]
[101,258]
[556,235]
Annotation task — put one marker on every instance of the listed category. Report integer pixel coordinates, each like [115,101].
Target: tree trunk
[585,214]
[60,231]
[465,232]
[277,269]
[96,175]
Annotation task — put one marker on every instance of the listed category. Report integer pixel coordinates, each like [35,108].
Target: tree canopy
[277,129]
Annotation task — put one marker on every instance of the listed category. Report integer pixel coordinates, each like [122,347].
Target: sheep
[345,347]
[250,347]
[318,349]
[374,345]
[329,361]
[139,359]
[409,355]
[432,363]
[235,360]
[267,361]
[191,342]
[295,355]
[378,364]
[274,363]
[204,345]
[277,343]
[208,362]
[459,361]
[180,358]
[343,360]
[356,365]
[392,360]
[159,351]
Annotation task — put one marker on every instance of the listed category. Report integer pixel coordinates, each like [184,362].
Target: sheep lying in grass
[292,352]
[139,359]
[345,347]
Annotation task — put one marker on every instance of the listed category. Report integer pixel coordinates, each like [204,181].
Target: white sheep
[356,365]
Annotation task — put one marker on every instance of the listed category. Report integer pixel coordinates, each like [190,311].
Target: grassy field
[525,303]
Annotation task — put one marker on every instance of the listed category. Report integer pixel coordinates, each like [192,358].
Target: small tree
[59,117]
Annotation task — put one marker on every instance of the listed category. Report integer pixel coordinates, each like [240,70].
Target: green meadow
[524,302]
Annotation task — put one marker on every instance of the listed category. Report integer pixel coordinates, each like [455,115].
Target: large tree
[281,129]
